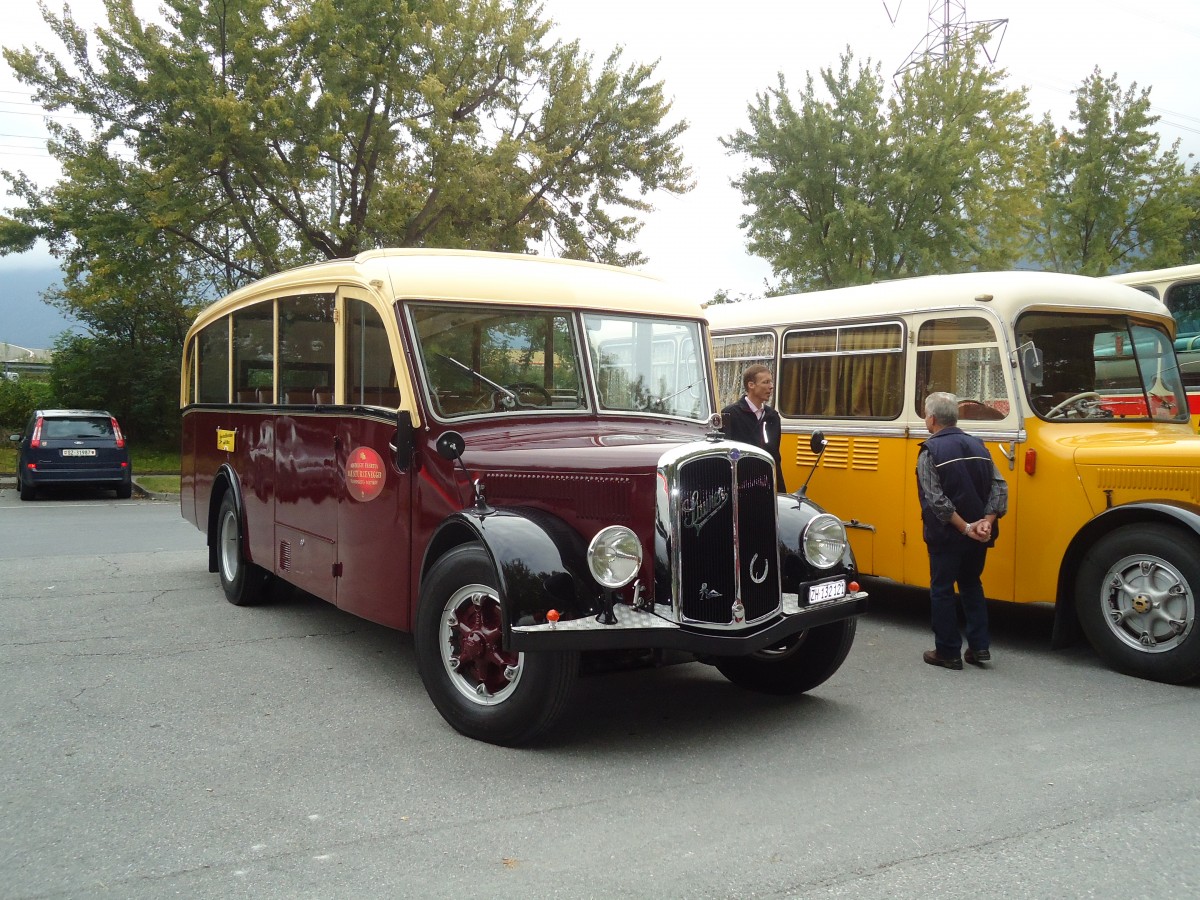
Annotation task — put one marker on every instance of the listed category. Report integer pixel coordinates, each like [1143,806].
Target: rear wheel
[243,582]
[28,491]
[796,665]
[481,689]
[1136,601]
[125,490]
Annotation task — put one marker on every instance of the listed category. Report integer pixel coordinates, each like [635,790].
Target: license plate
[829,590]
[78,452]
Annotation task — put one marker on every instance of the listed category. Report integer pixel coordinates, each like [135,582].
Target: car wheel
[125,490]
[796,665]
[244,583]
[1136,601]
[481,689]
[28,491]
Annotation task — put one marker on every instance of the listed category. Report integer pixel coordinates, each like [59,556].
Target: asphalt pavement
[160,742]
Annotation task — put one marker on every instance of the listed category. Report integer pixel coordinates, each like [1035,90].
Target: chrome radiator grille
[725,548]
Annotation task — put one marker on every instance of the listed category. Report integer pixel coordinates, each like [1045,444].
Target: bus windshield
[1100,367]
[648,365]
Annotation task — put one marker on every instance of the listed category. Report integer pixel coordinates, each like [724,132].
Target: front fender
[1187,515]
[540,562]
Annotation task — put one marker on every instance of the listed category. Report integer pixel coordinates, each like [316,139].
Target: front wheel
[481,689]
[796,665]
[1136,601]
[244,583]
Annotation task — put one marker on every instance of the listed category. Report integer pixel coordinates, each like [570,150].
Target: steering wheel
[1060,410]
[528,387]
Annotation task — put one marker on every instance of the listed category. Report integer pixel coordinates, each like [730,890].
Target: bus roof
[1006,293]
[472,276]
[1158,277]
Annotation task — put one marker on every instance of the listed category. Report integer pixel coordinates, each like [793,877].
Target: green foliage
[18,399]
[140,387]
[245,137]
[1113,200]
[853,189]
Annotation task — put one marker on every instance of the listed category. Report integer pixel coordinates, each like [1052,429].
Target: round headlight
[614,556]
[824,541]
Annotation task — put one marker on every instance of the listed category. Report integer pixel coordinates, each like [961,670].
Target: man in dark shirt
[751,421]
[962,495]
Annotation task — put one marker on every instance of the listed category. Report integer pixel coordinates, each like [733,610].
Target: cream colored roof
[471,276]
[1159,276]
[1009,293]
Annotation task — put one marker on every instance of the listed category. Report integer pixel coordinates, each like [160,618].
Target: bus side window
[253,351]
[961,356]
[212,357]
[370,375]
[307,338]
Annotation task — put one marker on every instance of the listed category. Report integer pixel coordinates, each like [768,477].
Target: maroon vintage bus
[513,458]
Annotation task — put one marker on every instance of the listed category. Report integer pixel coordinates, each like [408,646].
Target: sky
[715,57]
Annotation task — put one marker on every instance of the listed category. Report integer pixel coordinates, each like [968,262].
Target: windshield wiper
[509,397]
[659,401]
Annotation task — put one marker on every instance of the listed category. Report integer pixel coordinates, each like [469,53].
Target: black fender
[794,514]
[540,562]
[224,474]
[1066,626]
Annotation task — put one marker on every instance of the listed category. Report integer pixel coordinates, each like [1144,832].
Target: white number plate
[77,452]
[830,590]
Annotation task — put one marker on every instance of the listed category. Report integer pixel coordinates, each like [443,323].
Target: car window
[76,428]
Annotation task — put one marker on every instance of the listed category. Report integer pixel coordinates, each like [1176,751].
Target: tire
[28,491]
[125,490]
[244,583]
[1136,600]
[483,691]
[799,664]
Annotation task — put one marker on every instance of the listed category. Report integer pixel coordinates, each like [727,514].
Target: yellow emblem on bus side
[225,439]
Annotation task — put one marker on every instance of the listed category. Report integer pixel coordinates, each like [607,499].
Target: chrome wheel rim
[1148,604]
[470,638]
[230,559]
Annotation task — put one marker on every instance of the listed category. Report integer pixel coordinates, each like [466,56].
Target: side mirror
[1031,363]
[450,445]
[403,440]
[15,437]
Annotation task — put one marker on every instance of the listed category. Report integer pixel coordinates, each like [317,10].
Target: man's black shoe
[931,657]
[978,657]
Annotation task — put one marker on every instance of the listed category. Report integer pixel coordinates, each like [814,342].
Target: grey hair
[943,407]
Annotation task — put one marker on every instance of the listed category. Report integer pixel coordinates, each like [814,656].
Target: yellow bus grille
[1145,480]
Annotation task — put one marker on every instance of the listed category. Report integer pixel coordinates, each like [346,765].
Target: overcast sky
[714,58]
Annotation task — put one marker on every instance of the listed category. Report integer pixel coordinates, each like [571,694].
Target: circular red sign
[365,474]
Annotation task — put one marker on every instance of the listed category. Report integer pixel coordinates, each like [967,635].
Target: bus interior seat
[322,396]
[978,411]
[247,396]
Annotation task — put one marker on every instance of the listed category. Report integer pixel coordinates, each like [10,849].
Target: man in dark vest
[962,495]
[751,421]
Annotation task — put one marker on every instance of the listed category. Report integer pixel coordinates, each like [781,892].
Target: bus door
[959,352]
[374,515]
[307,487]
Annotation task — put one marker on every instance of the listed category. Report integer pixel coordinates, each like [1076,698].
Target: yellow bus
[1179,288]
[1073,384]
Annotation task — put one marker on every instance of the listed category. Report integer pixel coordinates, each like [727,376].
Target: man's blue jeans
[959,562]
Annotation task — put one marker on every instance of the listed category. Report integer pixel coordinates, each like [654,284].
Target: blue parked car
[72,447]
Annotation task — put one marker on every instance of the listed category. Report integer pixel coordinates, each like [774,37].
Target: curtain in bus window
[306,347]
[960,355]
[844,372]
[254,354]
[733,354]
[212,353]
[370,373]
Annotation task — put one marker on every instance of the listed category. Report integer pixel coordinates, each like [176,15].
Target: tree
[853,189]
[1113,200]
[240,137]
